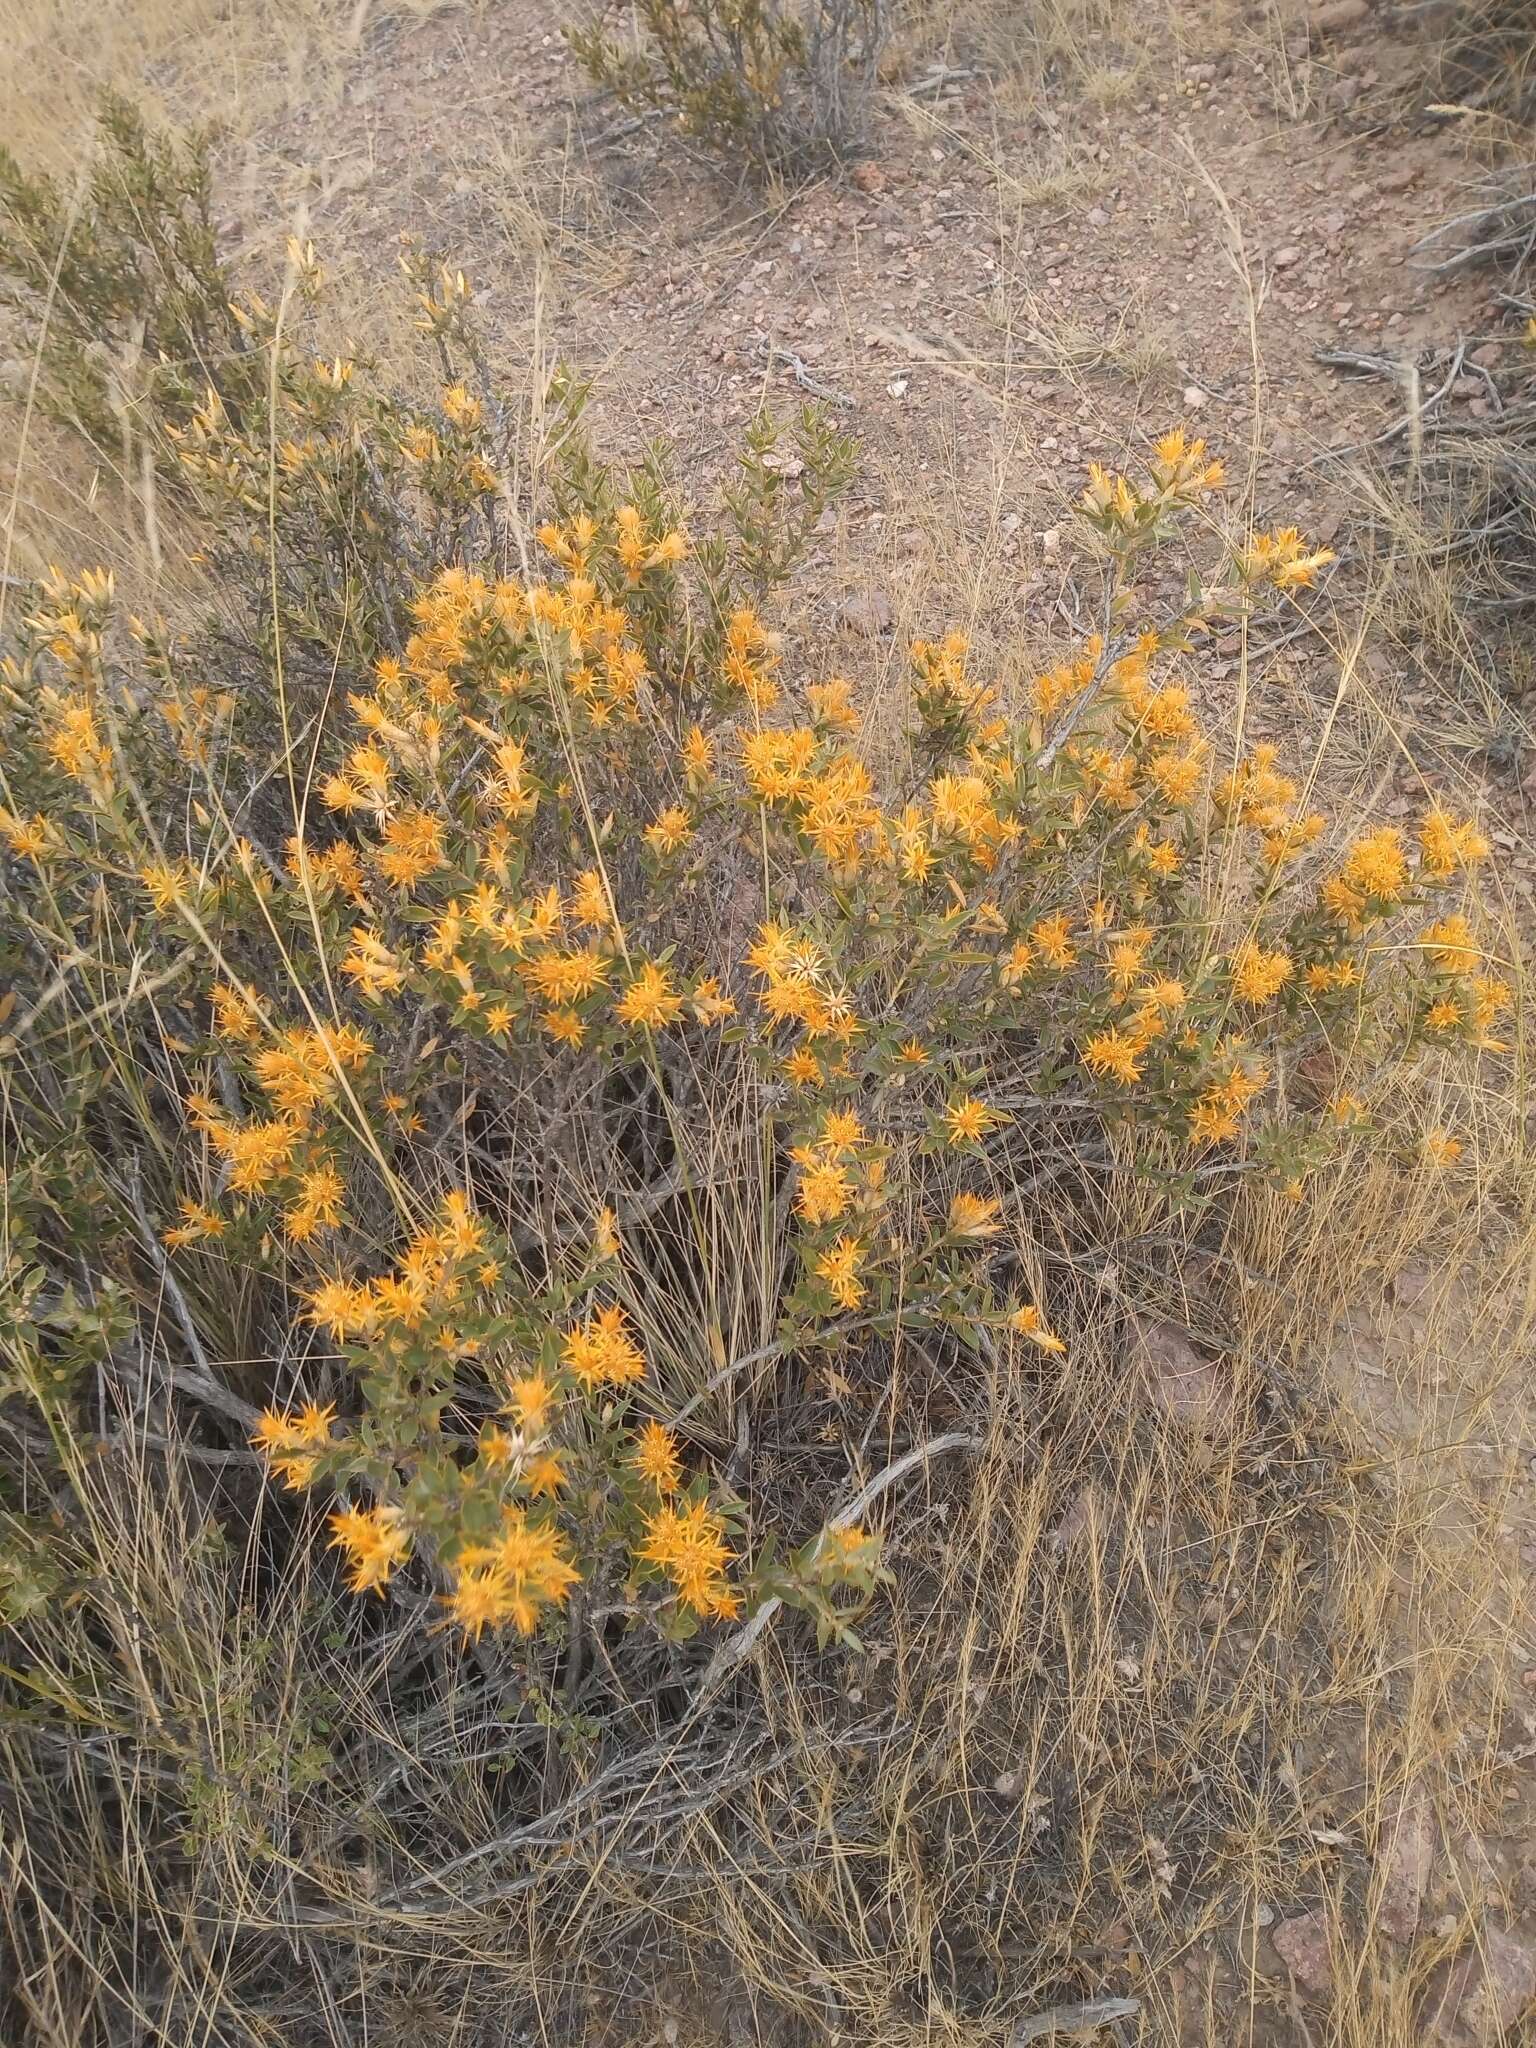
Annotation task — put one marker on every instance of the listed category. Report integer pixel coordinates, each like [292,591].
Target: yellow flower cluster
[525,1570]
[431,1278]
[550,812]
[800,988]
[1281,558]
[828,797]
[687,1543]
[751,659]
[1258,976]
[838,1169]
[374,1540]
[601,1352]
[1214,1120]
[1130,514]
[293,1443]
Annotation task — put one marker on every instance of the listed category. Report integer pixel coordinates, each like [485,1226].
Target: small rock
[1478,1868]
[1495,1985]
[868,612]
[784,463]
[1411,1283]
[1200,74]
[1286,257]
[1302,1945]
[1487,357]
[1337,16]
[1077,1519]
[1400,177]
[1186,1386]
[818,316]
[897,388]
[1194,398]
[1097,217]
[867,178]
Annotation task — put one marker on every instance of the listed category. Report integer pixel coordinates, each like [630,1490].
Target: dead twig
[1405,373]
[734,1648]
[803,376]
[196,1380]
[1074,2019]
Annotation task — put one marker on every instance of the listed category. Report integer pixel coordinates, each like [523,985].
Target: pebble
[1302,1945]
[1339,15]
[868,612]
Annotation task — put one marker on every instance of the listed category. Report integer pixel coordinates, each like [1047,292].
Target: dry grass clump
[192,59]
[122,285]
[1104,51]
[1448,494]
[772,88]
[789,1273]
[1482,58]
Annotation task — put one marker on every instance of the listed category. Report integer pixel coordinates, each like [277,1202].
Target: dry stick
[135,990]
[731,1652]
[804,378]
[624,1773]
[196,1380]
[1406,373]
[1109,654]
[1074,2019]
[721,1664]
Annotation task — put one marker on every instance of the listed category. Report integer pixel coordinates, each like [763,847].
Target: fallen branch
[197,1380]
[734,1648]
[1074,2019]
[804,378]
[1405,373]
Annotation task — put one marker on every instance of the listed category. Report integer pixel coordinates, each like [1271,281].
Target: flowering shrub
[772,86]
[127,303]
[481,896]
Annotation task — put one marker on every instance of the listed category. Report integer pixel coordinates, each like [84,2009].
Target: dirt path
[1057,279]
[1022,278]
